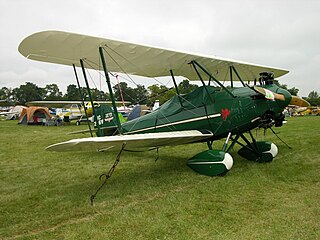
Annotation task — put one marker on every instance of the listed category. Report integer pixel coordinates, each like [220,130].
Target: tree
[5,93]
[313,98]
[28,92]
[52,92]
[185,87]
[140,94]
[276,82]
[72,93]
[127,92]
[161,93]
[293,91]
[98,95]
[313,95]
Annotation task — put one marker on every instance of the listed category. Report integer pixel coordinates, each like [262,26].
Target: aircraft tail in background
[104,120]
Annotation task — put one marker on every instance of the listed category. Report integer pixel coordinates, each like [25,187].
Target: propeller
[299,102]
[276,96]
[269,94]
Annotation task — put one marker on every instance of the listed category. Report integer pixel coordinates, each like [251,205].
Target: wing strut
[235,71]
[89,93]
[194,63]
[230,69]
[82,99]
[204,85]
[110,89]
[175,85]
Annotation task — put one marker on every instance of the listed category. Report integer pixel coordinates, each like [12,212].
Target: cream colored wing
[132,141]
[68,48]
[61,103]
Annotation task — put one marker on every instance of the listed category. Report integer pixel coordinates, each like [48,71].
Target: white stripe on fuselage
[175,123]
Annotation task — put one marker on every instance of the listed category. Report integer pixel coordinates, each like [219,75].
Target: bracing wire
[127,60]
[113,75]
[140,69]
[120,67]
[100,74]
[129,77]
[225,77]
[88,72]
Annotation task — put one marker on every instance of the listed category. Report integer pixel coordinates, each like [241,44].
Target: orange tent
[34,115]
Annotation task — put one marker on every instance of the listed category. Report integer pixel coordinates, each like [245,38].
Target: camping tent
[34,115]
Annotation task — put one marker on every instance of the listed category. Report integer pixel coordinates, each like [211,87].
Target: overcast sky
[282,33]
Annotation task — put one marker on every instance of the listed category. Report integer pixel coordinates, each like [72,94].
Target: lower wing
[131,141]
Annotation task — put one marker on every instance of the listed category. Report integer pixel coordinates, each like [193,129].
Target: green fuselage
[213,109]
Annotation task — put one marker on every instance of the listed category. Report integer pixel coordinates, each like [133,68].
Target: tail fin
[105,120]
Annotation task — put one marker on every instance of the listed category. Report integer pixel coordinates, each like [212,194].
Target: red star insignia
[225,113]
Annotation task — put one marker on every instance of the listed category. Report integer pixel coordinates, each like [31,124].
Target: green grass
[46,195]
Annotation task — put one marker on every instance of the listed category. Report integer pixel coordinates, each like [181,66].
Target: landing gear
[78,123]
[261,151]
[212,162]
[219,162]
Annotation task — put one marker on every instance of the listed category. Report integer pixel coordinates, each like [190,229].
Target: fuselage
[213,109]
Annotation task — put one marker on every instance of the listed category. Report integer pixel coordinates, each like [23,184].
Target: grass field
[46,195]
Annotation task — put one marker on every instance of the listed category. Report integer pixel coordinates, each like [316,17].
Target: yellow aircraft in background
[312,110]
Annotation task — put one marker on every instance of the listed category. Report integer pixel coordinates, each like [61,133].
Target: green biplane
[213,111]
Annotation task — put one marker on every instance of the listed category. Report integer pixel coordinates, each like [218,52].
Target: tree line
[31,92]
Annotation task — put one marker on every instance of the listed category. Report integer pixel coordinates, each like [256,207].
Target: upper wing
[131,141]
[64,103]
[68,48]
[52,103]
